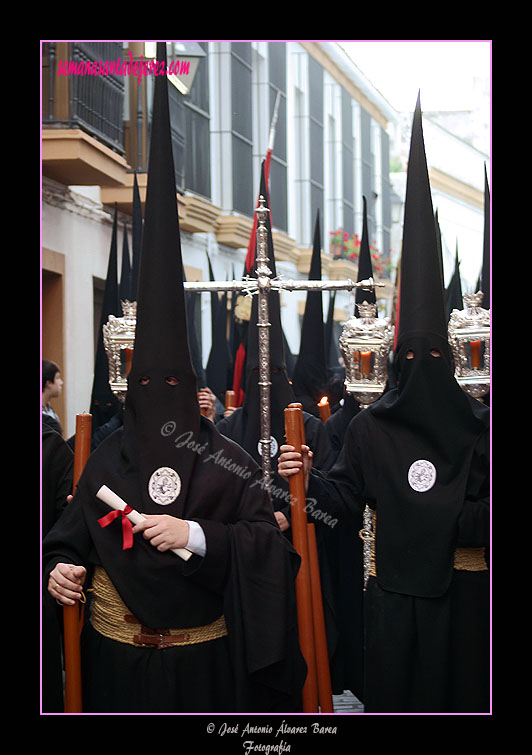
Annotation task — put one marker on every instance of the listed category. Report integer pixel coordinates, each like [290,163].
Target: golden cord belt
[465,559]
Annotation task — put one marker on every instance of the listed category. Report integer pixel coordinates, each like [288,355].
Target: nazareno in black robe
[425,651]
[419,457]
[247,574]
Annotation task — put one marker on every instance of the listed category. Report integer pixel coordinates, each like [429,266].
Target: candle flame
[324,401]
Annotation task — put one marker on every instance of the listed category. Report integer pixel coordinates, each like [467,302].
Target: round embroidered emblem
[422,475]
[164,486]
[274,447]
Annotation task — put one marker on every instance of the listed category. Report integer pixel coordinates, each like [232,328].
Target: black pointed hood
[104,404]
[422,301]
[218,370]
[439,242]
[193,307]
[365,268]
[155,404]
[310,373]
[427,426]
[136,238]
[486,261]
[332,351]
[125,291]
[453,294]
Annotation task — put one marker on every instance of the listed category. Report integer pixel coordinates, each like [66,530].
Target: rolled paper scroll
[115,502]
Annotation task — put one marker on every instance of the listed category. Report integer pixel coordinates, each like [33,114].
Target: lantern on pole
[365,343]
[469,338]
[119,339]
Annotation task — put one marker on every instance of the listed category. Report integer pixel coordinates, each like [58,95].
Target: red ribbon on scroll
[127,527]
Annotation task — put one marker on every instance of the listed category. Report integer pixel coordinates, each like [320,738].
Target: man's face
[55,386]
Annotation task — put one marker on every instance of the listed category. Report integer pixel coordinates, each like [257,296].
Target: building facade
[332,148]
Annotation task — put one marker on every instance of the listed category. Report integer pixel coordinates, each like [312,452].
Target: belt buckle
[148,636]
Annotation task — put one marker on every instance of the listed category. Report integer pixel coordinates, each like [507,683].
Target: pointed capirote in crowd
[439,244]
[310,372]
[104,404]
[484,281]
[419,458]
[453,292]
[332,352]
[193,310]
[216,632]
[136,238]
[125,291]
[337,424]
[218,370]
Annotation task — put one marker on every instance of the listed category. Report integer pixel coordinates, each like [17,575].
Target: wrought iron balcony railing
[73,97]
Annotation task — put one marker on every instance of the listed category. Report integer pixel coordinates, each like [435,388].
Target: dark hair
[49,371]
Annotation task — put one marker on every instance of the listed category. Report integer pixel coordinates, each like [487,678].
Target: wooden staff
[71,614]
[321,654]
[293,422]
[297,405]
[320,635]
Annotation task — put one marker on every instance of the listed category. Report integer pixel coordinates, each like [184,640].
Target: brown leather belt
[112,618]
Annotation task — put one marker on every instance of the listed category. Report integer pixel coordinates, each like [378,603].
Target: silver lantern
[469,337]
[119,339]
[365,343]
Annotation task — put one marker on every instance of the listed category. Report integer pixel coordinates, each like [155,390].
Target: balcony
[82,115]
[96,129]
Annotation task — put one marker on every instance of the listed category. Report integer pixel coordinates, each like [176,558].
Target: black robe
[233,427]
[337,549]
[347,575]
[247,574]
[424,653]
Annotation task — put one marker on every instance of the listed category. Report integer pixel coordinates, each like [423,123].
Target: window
[315,72]
[197,124]
[241,127]
[278,165]
[348,163]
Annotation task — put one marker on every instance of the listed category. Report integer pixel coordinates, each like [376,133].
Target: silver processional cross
[262,285]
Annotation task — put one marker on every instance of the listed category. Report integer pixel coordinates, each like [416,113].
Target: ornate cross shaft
[262,285]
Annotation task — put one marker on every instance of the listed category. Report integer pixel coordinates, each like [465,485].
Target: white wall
[79,228]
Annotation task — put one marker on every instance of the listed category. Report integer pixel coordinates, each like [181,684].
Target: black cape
[247,573]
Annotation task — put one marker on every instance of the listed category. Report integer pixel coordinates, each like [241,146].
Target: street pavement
[347,703]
